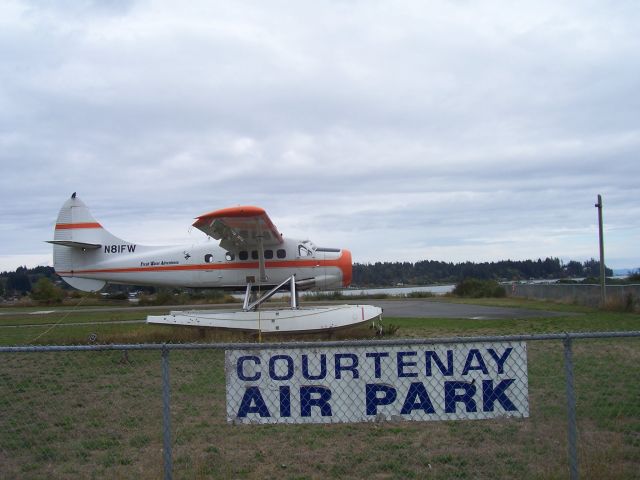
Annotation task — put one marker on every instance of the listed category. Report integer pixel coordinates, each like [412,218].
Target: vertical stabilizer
[77,241]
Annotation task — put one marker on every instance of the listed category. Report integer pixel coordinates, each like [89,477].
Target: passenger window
[281,253]
[230,256]
[254,254]
[268,254]
[243,255]
[208,258]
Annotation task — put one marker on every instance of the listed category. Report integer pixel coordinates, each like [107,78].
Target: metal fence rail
[93,410]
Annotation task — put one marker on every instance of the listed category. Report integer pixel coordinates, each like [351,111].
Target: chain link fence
[149,411]
[623,297]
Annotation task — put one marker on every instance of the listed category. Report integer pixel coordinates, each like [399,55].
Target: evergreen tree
[44,291]
[18,282]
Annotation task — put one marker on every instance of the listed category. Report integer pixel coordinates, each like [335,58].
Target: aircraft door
[229,276]
[212,273]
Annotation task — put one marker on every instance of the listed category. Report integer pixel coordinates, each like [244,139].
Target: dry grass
[98,414]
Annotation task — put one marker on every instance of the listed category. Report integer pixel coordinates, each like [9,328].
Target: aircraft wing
[239,227]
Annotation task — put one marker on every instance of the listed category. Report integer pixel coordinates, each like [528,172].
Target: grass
[65,317]
[439,327]
[98,414]
[517,302]
[104,324]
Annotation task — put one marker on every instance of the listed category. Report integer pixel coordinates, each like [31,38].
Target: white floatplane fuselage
[87,256]
[210,266]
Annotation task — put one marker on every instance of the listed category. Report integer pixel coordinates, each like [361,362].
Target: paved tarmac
[406,308]
[432,309]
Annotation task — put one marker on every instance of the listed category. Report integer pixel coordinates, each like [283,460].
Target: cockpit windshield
[306,249]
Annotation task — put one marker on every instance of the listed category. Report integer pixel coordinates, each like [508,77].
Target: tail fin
[78,238]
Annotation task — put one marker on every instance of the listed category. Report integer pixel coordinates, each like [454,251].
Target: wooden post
[603,288]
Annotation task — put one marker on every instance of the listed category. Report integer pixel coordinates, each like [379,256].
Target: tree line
[22,280]
[431,271]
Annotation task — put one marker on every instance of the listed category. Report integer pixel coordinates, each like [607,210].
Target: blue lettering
[500,360]
[451,397]
[419,393]
[240,368]
[307,400]
[339,368]
[401,364]
[446,371]
[252,402]
[490,395]
[272,367]
[285,401]
[323,368]
[376,361]
[373,400]
[474,353]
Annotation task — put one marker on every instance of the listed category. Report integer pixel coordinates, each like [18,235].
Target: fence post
[572,432]
[166,415]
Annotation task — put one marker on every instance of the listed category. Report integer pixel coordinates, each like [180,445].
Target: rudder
[78,238]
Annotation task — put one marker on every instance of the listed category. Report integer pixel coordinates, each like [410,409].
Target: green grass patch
[59,316]
[586,322]
[515,302]
[77,327]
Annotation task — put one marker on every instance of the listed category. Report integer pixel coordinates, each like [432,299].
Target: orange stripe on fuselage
[70,226]
[340,263]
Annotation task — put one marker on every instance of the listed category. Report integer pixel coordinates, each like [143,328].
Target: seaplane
[251,255]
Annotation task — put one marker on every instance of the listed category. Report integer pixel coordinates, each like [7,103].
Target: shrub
[162,297]
[475,288]
[634,276]
[45,292]
[420,295]
[627,303]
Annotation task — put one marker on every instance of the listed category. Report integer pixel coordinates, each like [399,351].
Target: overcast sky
[402,130]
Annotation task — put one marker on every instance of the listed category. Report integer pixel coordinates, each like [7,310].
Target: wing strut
[260,240]
[247,305]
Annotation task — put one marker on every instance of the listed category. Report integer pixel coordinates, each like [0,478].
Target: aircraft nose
[346,267]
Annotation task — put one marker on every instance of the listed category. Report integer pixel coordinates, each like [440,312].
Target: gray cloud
[404,130]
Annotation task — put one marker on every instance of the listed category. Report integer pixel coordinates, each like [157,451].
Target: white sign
[374,383]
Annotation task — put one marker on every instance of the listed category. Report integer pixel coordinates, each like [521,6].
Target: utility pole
[603,291]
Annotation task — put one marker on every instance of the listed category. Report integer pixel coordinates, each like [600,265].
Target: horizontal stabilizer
[85,284]
[72,244]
